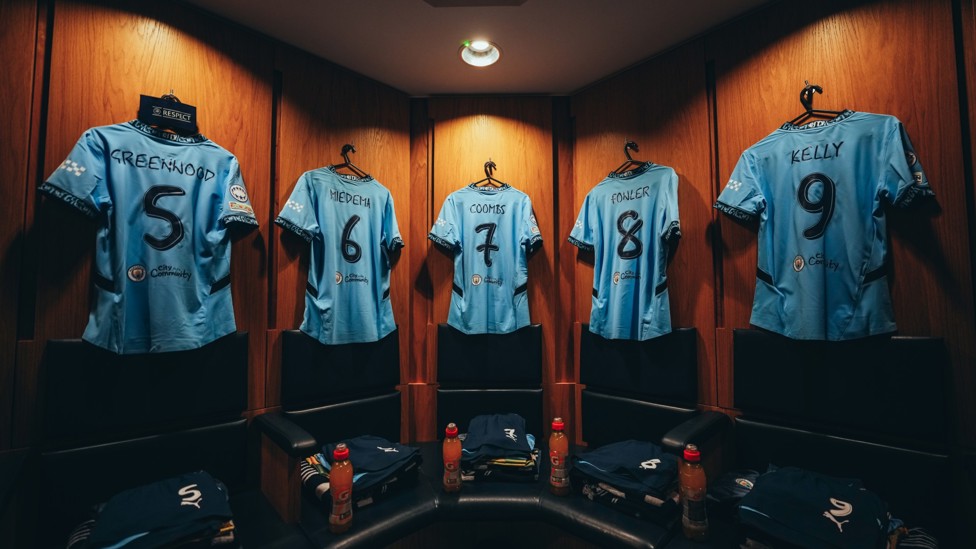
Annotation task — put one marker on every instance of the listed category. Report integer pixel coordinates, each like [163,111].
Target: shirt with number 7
[490,231]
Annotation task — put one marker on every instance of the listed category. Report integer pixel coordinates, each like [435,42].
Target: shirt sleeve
[531,236]
[742,197]
[236,204]
[670,222]
[298,214]
[445,231]
[904,180]
[80,180]
[391,231]
[582,234]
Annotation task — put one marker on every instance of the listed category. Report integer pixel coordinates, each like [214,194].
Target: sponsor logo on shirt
[352,277]
[388,450]
[137,273]
[650,464]
[625,275]
[733,185]
[510,433]
[191,496]
[161,271]
[841,509]
[238,192]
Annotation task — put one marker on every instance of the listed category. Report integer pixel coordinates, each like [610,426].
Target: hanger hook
[490,167]
[346,149]
[806,95]
[627,148]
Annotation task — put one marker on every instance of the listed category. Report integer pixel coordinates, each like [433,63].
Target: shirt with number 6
[630,223]
[163,203]
[819,192]
[352,228]
[490,231]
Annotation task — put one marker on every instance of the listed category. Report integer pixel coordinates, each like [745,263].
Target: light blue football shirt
[820,192]
[162,253]
[491,231]
[351,224]
[630,221]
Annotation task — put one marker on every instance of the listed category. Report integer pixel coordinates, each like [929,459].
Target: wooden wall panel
[18,42]
[662,106]
[761,63]
[103,55]
[321,108]
[516,133]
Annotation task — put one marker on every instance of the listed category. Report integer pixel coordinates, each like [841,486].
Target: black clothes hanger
[489,179]
[167,112]
[346,149]
[630,163]
[806,99]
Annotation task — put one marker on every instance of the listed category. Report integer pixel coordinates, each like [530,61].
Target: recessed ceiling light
[479,53]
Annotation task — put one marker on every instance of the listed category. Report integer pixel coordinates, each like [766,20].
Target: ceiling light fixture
[479,53]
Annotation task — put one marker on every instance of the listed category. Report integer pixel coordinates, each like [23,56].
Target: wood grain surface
[18,42]
[760,69]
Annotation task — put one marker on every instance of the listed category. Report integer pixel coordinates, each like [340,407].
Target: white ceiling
[548,46]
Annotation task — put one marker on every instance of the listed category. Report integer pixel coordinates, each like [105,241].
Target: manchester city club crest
[338,277]
[476,280]
[616,278]
[137,273]
[798,263]
[911,158]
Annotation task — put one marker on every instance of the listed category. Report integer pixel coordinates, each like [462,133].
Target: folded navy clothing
[374,459]
[633,466]
[495,436]
[661,511]
[189,506]
[503,469]
[808,509]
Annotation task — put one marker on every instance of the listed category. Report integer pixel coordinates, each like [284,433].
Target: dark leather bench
[872,409]
[480,374]
[113,422]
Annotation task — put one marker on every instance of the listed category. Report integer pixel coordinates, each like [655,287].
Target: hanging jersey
[819,192]
[491,231]
[162,254]
[351,225]
[630,221]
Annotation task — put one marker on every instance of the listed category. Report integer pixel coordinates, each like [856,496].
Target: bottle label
[694,510]
[558,476]
[452,475]
[342,505]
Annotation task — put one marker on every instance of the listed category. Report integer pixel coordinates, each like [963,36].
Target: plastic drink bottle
[451,451]
[694,520]
[340,484]
[558,456]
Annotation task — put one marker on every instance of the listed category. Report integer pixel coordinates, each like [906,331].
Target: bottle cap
[341,452]
[692,454]
[451,430]
[557,424]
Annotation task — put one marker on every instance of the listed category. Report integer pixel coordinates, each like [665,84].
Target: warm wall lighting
[479,53]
